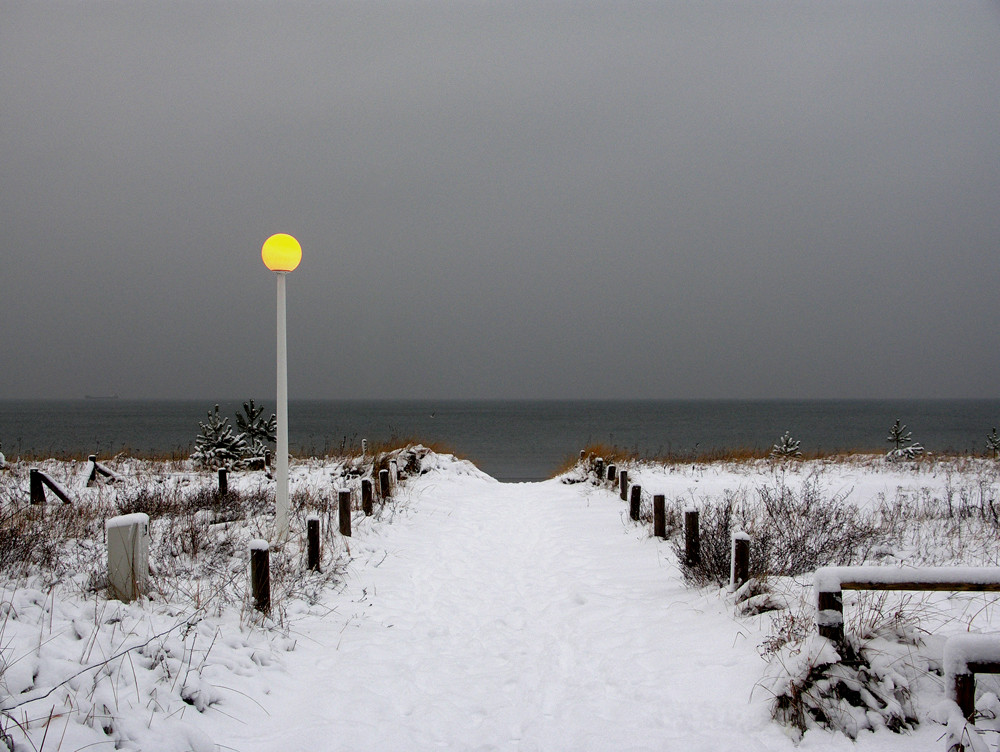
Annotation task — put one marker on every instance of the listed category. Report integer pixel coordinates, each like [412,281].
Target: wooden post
[623,485]
[344,502]
[599,468]
[35,486]
[740,571]
[612,473]
[660,516]
[393,472]
[223,481]
[92,478]
[830,615]
[692,541]
[965,695]
[383,483]
[312,532]
[366,496]
[267,460]
[260,575]
[634,500]
[583,453]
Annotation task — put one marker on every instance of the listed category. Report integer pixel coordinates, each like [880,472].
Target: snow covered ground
[476,616]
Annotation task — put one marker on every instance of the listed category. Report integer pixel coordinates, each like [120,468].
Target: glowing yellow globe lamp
[281,253]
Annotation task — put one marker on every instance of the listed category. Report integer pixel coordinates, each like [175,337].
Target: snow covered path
[518,617]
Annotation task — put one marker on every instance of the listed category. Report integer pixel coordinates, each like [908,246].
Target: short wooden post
[692,541]
[92,478]
[740,560]
[965,695]
[35,487]
[634,500]
[366,496]
[312,533]
[223,481]
[267,460]
[260,575]
[344,503]
[660,516]
[599,468]
[393,472]
[612,473]
[583,454]
[383,483]
[830,614]
[623,485]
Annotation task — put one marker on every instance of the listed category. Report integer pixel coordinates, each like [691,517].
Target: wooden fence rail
[832,581]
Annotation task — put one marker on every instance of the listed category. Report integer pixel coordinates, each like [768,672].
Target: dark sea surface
[511,440]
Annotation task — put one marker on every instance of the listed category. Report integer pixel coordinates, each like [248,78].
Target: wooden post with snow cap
[223,481]
[383,483]
[612,473]
[260,575]
[635,498]
[739,570]
[366,496]
[583,454]
[344,505]
[623,485]
[312,533]
[660,516]
[966,655]
[692,539]
[599,468]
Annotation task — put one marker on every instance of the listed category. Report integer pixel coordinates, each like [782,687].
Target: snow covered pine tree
[898,436]
[257,432]
[786,448]
[217,445]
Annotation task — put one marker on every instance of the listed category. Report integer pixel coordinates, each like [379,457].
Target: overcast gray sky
[501,199]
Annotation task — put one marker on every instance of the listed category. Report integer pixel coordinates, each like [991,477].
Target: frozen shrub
[792,531]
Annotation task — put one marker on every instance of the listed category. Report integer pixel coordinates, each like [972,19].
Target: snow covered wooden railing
[832,581]
[38,481]
[95,469]
[965,656]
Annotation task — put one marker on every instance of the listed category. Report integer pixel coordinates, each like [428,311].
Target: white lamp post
[281,254]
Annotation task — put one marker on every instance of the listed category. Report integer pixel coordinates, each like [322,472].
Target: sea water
[510,440]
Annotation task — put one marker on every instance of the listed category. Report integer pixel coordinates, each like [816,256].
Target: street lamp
[281,254]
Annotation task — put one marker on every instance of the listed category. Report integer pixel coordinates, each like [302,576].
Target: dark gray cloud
[518,199]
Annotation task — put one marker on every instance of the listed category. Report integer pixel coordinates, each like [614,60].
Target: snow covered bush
[867,688]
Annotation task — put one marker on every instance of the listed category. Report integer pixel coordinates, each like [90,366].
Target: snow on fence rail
[37,483]
[832,581]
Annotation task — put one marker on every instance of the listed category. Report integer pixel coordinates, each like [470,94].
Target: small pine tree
[786,448]
[217,445]
[898,436]
[993,443]
[257,432]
